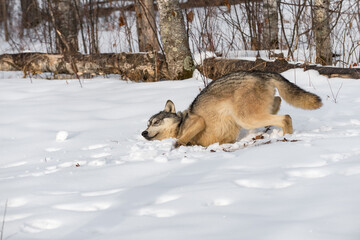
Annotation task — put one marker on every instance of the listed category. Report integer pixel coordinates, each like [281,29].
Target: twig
[3,222]
[257,143]
[334,96]
[337,93]
[62,38]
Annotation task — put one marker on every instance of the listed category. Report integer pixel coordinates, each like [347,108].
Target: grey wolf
[232,102]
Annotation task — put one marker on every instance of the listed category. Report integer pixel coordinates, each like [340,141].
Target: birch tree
[146,26]
[321,27]
[63,15]
[271,28]
[4,18]
[30,13]
[174,39]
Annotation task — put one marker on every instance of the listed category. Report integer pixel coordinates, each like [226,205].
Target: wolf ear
[170,107]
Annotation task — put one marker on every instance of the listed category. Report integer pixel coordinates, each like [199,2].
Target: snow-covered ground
[73,165]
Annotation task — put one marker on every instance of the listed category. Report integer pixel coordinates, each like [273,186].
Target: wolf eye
[157,122]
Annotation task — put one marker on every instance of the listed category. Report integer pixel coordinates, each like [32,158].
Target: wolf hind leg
[282,121]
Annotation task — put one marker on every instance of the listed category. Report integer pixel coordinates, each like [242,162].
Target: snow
[73,165]
[61,136]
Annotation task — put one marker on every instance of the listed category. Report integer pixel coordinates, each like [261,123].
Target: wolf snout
[145,134]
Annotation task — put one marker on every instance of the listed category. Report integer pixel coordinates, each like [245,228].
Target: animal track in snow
[84,207]
[186,160]
[97,163]
[263,184]
[16,202]
[51,149]
[71,164]
[309,165]
[309,173]
[159,213]
[60,193]
[14,217]
[95,146]
[161,159]
[40,225]
[66,164]
[352,171]
[166,198]
[51,168]
[48,170]
[221,202]
[101,193]
[355,122]
[15,164]
[118,162]
[101,155]
[144,150]
[336,157]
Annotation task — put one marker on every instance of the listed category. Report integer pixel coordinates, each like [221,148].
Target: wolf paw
[179,143]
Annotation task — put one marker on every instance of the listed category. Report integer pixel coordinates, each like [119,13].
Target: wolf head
[164,124]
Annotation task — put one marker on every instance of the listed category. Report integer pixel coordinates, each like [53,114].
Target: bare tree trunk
[124,22]
[79,18]
[4,18]
[271,28]
[31,15]
[255,23]
[175,40]
[66,27]
[146,26]
[321,26]
[93,19]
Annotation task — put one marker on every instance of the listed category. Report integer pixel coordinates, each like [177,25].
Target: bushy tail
[295,95]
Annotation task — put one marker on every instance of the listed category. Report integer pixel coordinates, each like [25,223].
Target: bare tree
[31,14]
[63,14]
[291,34]
[3,8]
[254,20]
[175,40]
[146,25]
[321,28]
[271,27]
[92,26]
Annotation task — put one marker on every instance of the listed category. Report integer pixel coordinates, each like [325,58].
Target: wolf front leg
[193,125]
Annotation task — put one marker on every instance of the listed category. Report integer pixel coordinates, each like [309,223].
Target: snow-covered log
[147,67]
[216,67]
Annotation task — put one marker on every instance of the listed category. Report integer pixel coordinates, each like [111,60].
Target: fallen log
[214,68]
[147,67]
[106,11]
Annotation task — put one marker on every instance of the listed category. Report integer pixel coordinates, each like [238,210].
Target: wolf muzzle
[145,134]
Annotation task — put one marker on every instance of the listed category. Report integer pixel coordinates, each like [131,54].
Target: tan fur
[235,101]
